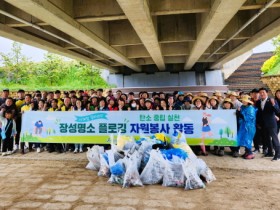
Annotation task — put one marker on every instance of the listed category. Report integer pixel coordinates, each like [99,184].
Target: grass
[67,87]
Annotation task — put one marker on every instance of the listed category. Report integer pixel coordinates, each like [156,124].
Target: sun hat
[227,100]
[246,98]
[196,98]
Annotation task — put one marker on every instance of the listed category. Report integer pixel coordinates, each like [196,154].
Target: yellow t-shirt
[52,110]
[19,103]
[25,108]
[63,108]
[59,102]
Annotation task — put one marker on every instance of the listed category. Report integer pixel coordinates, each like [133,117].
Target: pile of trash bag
[150,160]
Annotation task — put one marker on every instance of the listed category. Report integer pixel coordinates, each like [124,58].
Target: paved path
[60,181]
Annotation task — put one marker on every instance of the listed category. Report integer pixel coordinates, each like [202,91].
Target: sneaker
[81,151]
[216,152]
[275,159]
[9,152]
[256,151]
[38,150]
[205,153]
[268,155]
[250,156]
[75,151]
[221,153]
[4,154]
[50,150]
[199,153]
[15,147]
[235,154]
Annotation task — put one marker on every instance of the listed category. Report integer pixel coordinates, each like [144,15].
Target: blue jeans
[79,145]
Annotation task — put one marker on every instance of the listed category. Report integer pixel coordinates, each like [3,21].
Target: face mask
[133,105]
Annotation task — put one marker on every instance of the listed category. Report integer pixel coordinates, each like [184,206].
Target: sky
[36,54]
[33,53]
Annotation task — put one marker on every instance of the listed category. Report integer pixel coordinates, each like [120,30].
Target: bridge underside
[145,36]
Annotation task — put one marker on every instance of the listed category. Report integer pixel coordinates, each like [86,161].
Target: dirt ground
[60,181]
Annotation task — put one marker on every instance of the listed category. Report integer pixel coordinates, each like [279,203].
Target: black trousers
[271,140]
[258,139]
[8,144]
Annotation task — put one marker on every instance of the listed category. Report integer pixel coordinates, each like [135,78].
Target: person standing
[277,99]
[266,121]
[236,103]
[8,131]
[79,107]
[255,96]
[247,126]
[5,95]
[27,106]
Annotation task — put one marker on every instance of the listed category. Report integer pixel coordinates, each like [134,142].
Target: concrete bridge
[175,41]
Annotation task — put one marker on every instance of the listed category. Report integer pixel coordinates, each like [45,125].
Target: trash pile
[150,160]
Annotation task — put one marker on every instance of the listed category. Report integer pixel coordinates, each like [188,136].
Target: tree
[16,67]
[269,64]
[272,64]
[51,70]
[90,74]
[276,43]
[54,70]
[221,131]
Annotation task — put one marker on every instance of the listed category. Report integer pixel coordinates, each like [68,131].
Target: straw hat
[246,98]
[234,94]
[228,92]
[189,94]
[213,97]
[203,95]
[196,98]
[228,100]
[217,93]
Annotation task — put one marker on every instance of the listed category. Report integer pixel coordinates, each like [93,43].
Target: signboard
[213,127]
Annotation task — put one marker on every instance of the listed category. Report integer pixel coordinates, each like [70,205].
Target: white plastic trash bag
[154,170]
[122,140]
[192,179]
[117,172]
[204,171]
[144,152]
[90,166]
[132,177]
[93,156]
[173,174]
[104,165]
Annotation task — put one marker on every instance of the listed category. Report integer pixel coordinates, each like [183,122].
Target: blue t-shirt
[39,124]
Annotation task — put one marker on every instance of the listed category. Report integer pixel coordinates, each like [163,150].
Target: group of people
[257,114]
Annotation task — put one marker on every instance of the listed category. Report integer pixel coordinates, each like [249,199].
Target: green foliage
[16,66]
[275,70]
[272,65]
[52,73]
[276,43]
[269,64]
